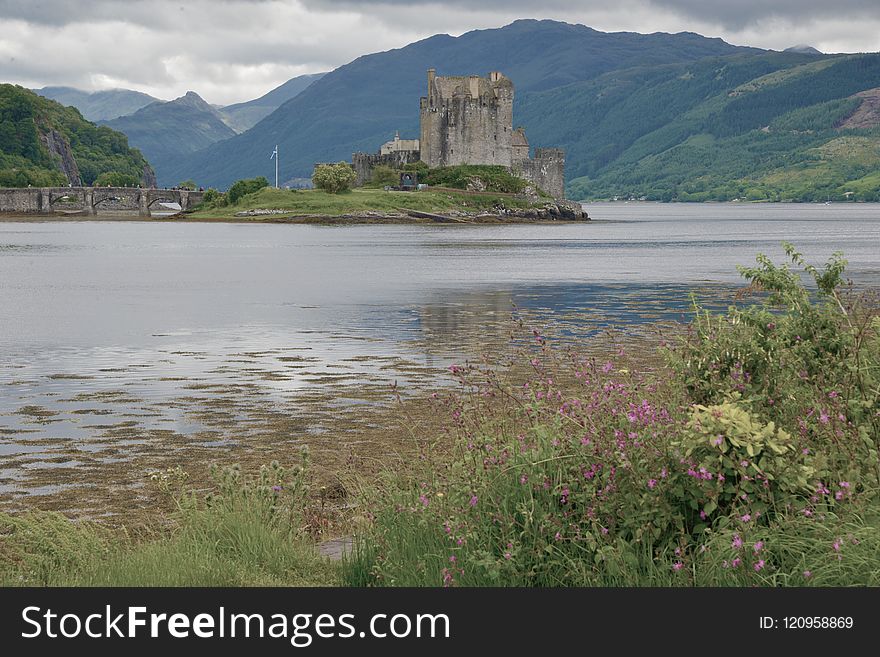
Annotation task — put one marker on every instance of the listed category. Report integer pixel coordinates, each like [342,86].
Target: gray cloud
[727,13]
[233,50]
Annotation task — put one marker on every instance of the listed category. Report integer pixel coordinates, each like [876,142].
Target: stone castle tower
[467,120]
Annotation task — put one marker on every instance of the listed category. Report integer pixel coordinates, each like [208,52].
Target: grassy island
[307,205]
[471,193]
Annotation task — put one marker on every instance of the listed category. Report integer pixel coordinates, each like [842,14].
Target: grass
[47,549]
[317,202]
[246,533]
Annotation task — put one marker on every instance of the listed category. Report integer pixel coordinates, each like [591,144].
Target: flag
[274,153]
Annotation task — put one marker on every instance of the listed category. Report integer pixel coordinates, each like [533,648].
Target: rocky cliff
[59,149]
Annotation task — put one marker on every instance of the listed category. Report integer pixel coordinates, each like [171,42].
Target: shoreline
[318,220]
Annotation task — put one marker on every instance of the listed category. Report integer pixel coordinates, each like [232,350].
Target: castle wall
[546,171]
[518,154]
[363,163]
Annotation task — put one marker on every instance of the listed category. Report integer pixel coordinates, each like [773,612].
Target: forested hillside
[44,143]
[771,127]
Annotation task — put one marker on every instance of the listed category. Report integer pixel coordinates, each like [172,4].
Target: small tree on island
[248,186]
[334,178]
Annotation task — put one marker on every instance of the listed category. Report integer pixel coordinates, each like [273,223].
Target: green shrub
[242,187]
[807,360]
[334,178]
[213,199]
[418,166]
[490,178]
[732,453]
[384,175]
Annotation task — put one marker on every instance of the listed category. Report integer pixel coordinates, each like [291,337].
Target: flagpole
[276,166]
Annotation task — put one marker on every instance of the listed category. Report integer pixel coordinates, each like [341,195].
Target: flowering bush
[334,178]
[569,470]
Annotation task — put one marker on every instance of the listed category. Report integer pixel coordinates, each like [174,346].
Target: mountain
[167,131]
[98,105]
[804,49]
[242,116]
[776,126]
[43,143]
[360,105]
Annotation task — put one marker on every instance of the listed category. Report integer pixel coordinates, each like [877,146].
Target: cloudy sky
[234,50]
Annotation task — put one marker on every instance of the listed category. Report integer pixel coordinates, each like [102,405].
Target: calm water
[100,318]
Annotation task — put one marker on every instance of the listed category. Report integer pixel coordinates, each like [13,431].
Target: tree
[384,175]
[334,178]
[115,179]
[247,186]
[187,184]
[213,198]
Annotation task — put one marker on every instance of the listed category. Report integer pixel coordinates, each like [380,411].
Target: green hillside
[768,127]
[44,143]
[360,105]
[167,131]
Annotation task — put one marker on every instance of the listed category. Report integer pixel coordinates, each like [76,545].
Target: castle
[469,120]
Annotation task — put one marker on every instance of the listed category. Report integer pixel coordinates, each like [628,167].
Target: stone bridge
[92,200]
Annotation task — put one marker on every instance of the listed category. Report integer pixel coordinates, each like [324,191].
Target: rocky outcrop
[59,149]
[560,210]
[148,178]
